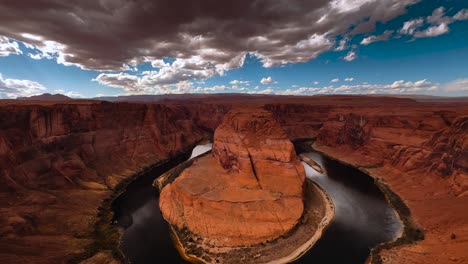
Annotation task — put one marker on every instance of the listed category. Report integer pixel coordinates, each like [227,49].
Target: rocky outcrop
[58,147]
[59,161]
[248,192]
[419,142]
[420,153]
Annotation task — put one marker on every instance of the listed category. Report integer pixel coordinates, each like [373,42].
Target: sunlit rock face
[250,190]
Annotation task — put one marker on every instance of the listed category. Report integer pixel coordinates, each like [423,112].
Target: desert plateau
[227,132]
[62,163]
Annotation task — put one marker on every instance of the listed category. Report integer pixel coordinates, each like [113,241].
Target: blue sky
[422,49]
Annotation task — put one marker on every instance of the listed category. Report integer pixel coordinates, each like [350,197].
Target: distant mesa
[46,97]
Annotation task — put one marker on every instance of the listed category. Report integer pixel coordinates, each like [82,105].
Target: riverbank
[318,213]
[106,237]
[412,232]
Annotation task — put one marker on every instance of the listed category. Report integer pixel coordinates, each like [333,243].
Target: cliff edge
[249,191]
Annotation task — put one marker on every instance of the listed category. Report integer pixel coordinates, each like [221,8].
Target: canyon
[250,192]
[253,175]
[60,161]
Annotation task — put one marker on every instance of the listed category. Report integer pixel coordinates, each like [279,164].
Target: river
[363,218]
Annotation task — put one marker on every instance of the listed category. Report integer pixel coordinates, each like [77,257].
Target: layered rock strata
[58,161]
[420,153]
[249,191]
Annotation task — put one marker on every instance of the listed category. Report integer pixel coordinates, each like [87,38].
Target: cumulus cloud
[179,71]
[372,39]
[119,35]
[335,80]
[350,56]
[460,85]
[266,80]
[154,82]
[12,88]
[437,24]
[316,82]
[349,79]
[8,47]
[433,31]
[397,87]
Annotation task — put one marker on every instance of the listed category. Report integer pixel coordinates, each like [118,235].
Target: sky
[93,48]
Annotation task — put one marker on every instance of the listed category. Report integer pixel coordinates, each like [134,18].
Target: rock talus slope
[249,191]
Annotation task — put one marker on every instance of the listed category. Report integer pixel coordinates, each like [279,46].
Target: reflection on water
[363,218]
[146,237]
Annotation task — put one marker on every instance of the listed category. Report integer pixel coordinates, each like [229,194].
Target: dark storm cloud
[211,34]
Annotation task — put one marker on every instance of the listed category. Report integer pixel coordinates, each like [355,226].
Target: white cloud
[71,94]
[397,87]
[438,17]
[433,31]
[302,51]
[371,39]
[461,15]
[342,45]
[409,27]
[151,83]
[8,47]
[335,80]
[269,90]
[438,24]
[168,75]
[238,82]
[350,79]
[350,56]
[460,85]
[267,80]
[316,82]
[12,88]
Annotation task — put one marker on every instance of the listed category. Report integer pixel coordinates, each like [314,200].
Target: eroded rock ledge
[250,193]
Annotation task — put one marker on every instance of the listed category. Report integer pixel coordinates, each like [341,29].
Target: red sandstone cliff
[58,161]
[61,146]
[249,191]
[421,153]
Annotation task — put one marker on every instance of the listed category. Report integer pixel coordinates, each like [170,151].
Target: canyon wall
[421,154]
[61,146]
[59,161]
[418,141]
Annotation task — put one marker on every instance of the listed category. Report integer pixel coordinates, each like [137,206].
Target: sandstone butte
[249,191]
[58,161]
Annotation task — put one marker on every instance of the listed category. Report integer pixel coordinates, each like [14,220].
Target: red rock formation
[420,152]
[58,161]
[251,189]
[55,160]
